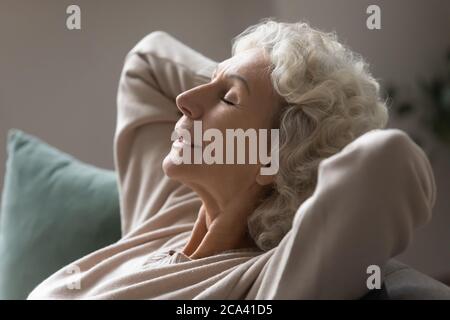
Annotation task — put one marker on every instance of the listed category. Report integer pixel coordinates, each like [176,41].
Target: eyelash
[227,102]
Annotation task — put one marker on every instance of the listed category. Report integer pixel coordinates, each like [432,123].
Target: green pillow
[54,210]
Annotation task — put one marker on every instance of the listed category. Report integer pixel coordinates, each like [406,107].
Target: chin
[170,168]
[175,171]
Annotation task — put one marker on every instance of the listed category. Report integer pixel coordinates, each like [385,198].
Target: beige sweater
[369,199]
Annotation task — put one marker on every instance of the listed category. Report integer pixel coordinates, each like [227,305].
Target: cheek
[223,114]
[266,114]
[234,118]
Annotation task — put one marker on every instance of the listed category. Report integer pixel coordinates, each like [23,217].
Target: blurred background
[60,84]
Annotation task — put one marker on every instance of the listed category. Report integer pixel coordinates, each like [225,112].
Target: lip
[181,142]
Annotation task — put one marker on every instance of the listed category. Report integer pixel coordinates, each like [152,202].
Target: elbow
[410,178]
[419,180]
[150,42]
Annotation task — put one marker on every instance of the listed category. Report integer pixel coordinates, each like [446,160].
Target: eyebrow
[235,76]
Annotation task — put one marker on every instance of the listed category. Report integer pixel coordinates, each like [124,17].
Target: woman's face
[239,96]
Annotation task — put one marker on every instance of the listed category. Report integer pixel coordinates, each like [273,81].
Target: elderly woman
[348,194]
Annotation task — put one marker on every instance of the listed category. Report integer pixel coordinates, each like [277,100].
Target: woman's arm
[156,70]
[369,199]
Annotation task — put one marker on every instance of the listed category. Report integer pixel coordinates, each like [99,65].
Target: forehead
[253,64]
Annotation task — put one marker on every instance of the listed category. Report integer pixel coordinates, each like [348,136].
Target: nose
[190,103]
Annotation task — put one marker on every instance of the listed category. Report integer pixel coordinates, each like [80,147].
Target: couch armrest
[405,283]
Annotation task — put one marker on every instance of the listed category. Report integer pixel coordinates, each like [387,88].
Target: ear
[264,180]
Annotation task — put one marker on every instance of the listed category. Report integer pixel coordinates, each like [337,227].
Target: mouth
[186,143]
[182,142]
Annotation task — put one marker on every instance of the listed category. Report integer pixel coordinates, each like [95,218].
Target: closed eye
[228,102]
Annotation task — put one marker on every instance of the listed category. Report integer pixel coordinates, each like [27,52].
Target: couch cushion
[405,283]
[55,209]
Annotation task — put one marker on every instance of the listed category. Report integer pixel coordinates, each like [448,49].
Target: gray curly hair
[330,99]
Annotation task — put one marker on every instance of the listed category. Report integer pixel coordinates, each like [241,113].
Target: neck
[219,229]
